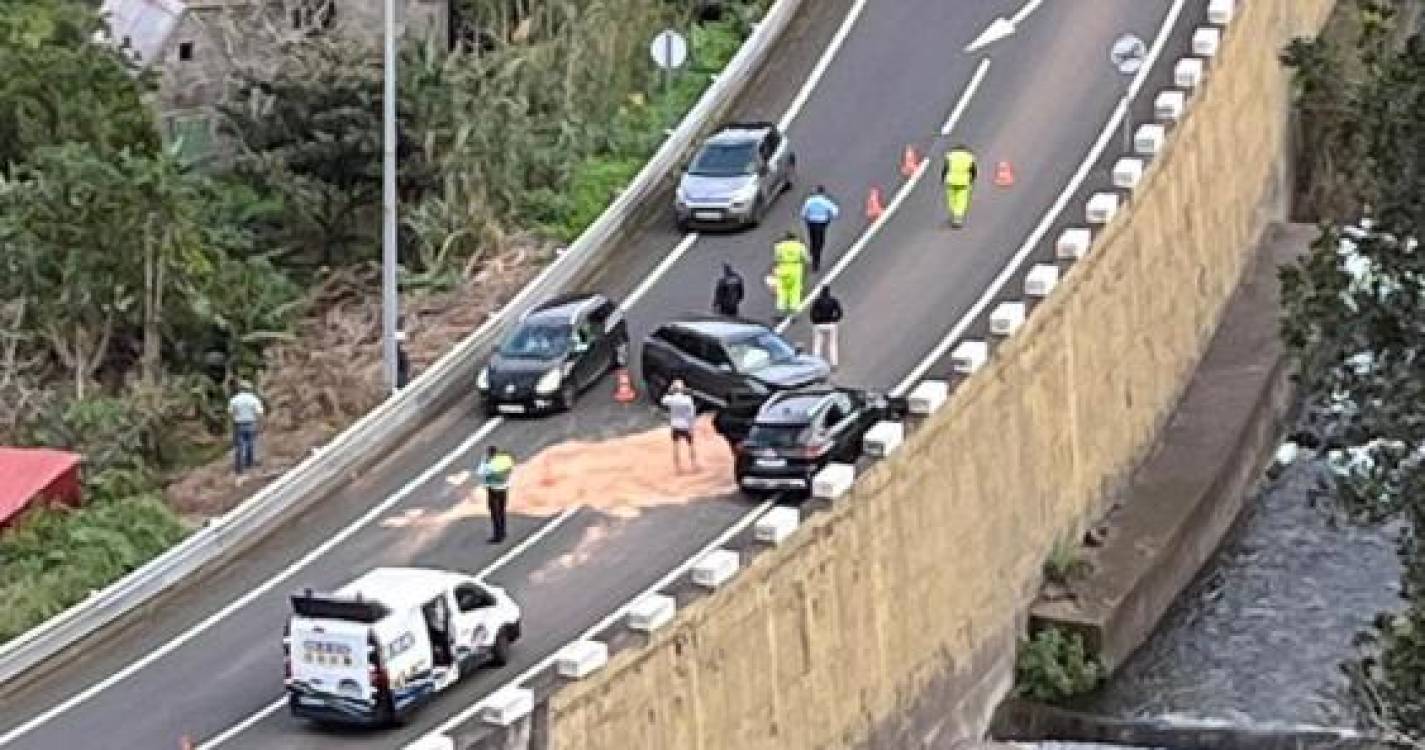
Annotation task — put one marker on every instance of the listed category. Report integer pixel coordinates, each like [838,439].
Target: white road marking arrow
[1002,27]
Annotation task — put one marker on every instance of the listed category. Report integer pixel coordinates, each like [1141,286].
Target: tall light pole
[389,293]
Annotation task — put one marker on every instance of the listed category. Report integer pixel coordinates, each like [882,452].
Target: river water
[1259,637]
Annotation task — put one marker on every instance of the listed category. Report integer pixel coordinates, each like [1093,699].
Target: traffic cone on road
[1004,174]
[874,208]
[910,161]
[185,743]
[624,392]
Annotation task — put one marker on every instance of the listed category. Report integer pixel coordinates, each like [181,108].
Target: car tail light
[378,675]
[287,652]
[815,450]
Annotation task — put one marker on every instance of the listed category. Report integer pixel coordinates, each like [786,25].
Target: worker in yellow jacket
[790,259]
[959,174]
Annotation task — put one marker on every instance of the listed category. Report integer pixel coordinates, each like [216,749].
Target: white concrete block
[1170,105]
[774,526]
[506,706]
[884,438]
[652,612]
[1007,318]
[1073,243]
[1220,11]
[716,568]
[1102,208]
[1127,172]
[581,659]
[1205,41]
[1187,74]
[969,356]
[928,396]
[1041,280]
[1149,138]
[833,481]
[431,742]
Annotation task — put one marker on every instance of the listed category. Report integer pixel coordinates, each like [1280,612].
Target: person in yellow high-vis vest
[790,259]
[959,174]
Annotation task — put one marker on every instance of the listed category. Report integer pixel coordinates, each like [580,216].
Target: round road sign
[1128,53]
[669,49]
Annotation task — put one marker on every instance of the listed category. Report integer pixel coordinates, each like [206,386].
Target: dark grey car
[718,357]
[735,176]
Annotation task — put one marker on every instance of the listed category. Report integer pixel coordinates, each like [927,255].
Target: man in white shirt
[246,411]
[682,414]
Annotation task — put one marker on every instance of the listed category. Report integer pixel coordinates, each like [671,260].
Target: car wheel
[568,395]
[621,353]
[500,652]
[489,408]
[791,180]
[655,386]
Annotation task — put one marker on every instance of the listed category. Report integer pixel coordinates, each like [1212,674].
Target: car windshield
[538,341]
[725,160]
[763,350]
[778,436]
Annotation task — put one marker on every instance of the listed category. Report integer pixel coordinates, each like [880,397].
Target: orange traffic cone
[624,392]
[910,161]
[1004,174]
[874,209]
[185,743]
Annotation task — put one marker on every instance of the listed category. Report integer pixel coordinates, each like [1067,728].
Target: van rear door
[331,666]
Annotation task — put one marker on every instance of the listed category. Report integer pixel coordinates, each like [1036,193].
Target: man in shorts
[682,414]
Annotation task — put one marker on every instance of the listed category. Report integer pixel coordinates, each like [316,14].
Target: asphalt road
[206,663]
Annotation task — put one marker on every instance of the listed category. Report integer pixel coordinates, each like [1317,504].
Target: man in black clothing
[727,295]
[825,318]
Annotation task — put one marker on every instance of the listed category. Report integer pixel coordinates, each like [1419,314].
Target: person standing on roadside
[818,212]
[494,472]
[727,294]
[682,417]
[825,320]
[403,362]
[788,272]
[245,408]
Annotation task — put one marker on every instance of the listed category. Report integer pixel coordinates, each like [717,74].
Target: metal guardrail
[384,428]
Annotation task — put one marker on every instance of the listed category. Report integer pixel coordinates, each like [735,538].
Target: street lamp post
[389,292]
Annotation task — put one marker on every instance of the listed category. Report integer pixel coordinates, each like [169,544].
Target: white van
[384,644]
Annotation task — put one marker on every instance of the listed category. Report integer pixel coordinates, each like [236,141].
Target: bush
[53,557]
[1054,666]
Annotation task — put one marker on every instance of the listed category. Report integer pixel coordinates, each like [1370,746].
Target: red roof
[28,473]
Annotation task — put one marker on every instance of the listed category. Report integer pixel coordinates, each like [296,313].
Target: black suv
[798,433]
[555,351]
[717,357]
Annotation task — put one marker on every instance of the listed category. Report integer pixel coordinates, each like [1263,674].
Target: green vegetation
[1054,666]
[1354,315]
[1065,564]
[136,284]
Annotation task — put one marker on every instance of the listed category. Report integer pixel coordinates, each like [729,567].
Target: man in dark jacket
[825,318]
[727,295]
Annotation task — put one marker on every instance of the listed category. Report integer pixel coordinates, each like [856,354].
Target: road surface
[857,81]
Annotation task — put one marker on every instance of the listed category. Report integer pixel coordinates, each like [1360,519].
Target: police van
[384,644]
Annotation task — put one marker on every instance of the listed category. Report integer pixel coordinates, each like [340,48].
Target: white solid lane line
[1110,130]
[662,583]
[250,596]
[686,243]
[905,190]
[499,562]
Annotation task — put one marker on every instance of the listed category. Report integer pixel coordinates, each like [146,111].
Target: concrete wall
[889,622]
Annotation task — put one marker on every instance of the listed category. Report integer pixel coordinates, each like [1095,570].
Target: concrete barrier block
[969,356]
[884,438]
[1187,74]
[1102,208]
[1127,172]
[928,396]
[716,568]
[1170,105]
[833,481]
[1041,280]
[652,612]
[581,659]
[1205,41]
[1220,12]
[506,706]
[774,526]
[1149,138]
[1007,318]
[431,742]
[1073,243]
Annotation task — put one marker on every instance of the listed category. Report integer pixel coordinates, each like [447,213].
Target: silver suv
[735,176]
